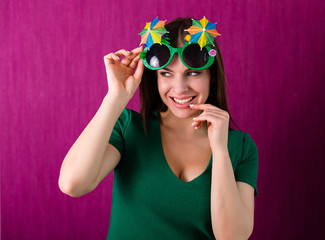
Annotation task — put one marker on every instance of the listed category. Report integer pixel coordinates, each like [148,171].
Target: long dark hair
[148,89]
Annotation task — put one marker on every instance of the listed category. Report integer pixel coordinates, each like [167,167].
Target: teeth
[183,100]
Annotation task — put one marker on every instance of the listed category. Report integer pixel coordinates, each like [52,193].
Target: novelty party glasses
[159,55]
[195,54]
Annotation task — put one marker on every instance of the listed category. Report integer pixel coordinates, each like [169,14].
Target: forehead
[176,64]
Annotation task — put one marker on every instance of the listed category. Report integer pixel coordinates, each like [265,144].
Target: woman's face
[180,86]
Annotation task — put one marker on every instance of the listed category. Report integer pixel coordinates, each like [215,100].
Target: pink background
[53,80]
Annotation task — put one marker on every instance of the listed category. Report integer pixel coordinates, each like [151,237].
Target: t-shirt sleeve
[247,168]
[117,136]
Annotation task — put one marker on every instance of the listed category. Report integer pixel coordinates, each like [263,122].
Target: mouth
[184,100]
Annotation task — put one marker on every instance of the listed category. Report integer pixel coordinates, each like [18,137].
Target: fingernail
[193,123]
[195,128]
[191,105]
[194,118]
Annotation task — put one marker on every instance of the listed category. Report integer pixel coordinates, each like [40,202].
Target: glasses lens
[194,57]
[158,55]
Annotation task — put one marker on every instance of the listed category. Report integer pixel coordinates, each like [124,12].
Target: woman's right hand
[120,77]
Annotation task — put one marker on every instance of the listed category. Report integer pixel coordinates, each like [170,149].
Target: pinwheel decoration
[202,32]
[153,32]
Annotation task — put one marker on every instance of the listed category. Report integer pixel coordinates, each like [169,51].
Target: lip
[185,105]
[183,97]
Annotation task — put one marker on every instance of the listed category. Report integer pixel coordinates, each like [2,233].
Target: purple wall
[53,80]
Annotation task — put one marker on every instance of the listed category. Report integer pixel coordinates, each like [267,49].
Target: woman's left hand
[217,122]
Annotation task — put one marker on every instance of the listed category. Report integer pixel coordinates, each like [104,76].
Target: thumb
[139,72]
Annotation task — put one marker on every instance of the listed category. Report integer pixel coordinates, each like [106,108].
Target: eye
[194,73]
[164,74]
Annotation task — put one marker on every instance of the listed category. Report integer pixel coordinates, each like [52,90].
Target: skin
[232,203]
[178,81]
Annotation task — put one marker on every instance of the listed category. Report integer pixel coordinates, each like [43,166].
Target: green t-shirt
[149,201]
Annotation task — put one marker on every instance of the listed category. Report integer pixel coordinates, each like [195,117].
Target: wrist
[220,151]
[117,98]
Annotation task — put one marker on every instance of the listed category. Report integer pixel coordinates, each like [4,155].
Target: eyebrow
[165,68]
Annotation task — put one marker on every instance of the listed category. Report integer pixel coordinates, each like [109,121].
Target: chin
[184,114]
[181,111]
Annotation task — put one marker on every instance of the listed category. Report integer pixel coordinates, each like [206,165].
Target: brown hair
[148,89]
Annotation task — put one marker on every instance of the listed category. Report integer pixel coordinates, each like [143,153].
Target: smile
[183,101]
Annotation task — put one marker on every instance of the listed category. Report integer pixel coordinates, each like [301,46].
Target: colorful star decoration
[202,32]
[152,32]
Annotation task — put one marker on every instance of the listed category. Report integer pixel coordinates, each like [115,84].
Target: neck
[182,126]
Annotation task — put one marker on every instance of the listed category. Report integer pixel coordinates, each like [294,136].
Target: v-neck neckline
[162,153]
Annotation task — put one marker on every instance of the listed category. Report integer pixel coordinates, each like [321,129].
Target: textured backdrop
[53,80]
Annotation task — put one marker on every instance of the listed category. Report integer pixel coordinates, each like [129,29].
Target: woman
[180,171]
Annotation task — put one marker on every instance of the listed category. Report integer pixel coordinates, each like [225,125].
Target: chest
[187,159]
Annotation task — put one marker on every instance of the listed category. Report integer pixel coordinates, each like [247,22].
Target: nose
[180,85]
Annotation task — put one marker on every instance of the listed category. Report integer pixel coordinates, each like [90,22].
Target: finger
[125,54]
[134,58]
[199,125]
[112,56]
[127,57]
[202,106]
[213,120]
[196,123]
[139,72]
[108,60]
[118,54]
[138,50]
[107,57]
[211,117]
[117,58]
[206,107]
[209,107]
[123,51]
[134,61]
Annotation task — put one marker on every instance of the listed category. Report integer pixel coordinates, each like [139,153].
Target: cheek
[202,86]
[163,87]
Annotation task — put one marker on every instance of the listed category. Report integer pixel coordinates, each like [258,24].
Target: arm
[81,170]
[232,204]
[91,157]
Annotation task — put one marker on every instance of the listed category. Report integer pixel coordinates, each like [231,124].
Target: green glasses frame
[180,53]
